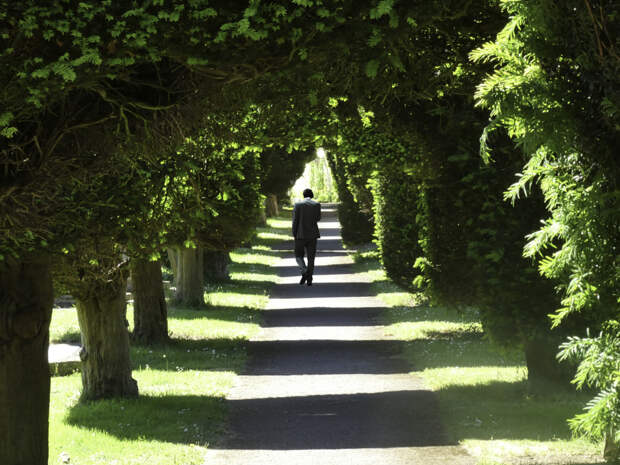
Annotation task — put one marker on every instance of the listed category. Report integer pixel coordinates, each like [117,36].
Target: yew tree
[222,194]
[86,81]
[145,70]
[554,90]
[441,223]
[279,171]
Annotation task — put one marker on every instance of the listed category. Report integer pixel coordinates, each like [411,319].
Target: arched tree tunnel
[132,129]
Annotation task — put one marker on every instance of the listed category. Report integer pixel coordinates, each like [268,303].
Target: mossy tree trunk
[271,206]
[611,447]
[26,299]
[262,219]
[188,269]
[173,258]
[216,265]
[106,366]
[150,312]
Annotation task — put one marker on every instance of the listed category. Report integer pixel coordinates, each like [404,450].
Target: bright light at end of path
[320,152]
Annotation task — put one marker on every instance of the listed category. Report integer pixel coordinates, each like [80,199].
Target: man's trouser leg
[311,251]
[299,255]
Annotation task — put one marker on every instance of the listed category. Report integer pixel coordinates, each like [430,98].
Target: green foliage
[441,223]
[186,379]
[280,169]
[396,206]
[356,221]
[569,138]
[485,401]
[220,199]
[555,90]
[317,175]
[599,368]
[321,180]
[97,98]
[86,79]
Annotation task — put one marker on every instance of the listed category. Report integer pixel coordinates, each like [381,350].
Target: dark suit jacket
[306,214]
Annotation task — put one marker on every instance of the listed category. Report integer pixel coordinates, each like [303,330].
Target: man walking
[306,214]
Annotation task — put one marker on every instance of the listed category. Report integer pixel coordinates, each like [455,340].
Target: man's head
[308,193]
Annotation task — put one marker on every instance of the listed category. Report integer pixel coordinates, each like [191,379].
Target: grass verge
[181,408]
[485,401]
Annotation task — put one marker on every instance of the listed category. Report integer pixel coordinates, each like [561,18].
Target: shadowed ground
[323,386]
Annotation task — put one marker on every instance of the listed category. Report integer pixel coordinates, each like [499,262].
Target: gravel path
[323,385]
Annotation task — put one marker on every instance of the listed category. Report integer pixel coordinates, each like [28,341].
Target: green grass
[181,408]
[485,401]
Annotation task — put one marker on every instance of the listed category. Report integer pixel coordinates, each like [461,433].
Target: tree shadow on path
[321,316]
[322,357]
[351,421]
[309,397]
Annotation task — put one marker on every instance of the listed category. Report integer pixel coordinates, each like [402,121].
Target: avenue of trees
[474,140]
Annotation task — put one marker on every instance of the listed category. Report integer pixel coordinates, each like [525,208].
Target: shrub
[357,225]
[397,198]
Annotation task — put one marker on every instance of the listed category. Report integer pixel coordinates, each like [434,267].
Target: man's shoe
[303,279]
[309,279]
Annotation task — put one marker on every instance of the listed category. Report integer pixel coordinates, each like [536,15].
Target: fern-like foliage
[555,90]
[599,368]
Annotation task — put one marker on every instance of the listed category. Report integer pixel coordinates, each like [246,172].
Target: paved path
[323,386]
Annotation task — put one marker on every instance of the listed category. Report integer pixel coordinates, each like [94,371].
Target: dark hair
[308,193]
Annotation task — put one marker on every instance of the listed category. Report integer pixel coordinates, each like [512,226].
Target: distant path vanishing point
[323,385]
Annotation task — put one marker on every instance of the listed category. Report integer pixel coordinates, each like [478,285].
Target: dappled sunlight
[179,412]
[552,452]
[486,402]
[322,378]
[185,382]
[254,276]
[359,344]
[411,321]
[479,376]
[226,321]
[463,351]
[431,329]
[182,382]
[270,235]
[376,275]
[396,298]
[260,255]
[254,299]
[213,328]
[494,415]
[278,223]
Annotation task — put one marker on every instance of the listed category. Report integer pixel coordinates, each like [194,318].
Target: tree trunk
[26,299]
[173,257]
[611,447]
[189,279]
[106,368]
[150,313]
[262,219]
[542,364]
[216,265]
[271,206]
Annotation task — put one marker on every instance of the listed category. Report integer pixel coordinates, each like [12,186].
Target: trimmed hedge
[397,198]
[357,224]
[473,255]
